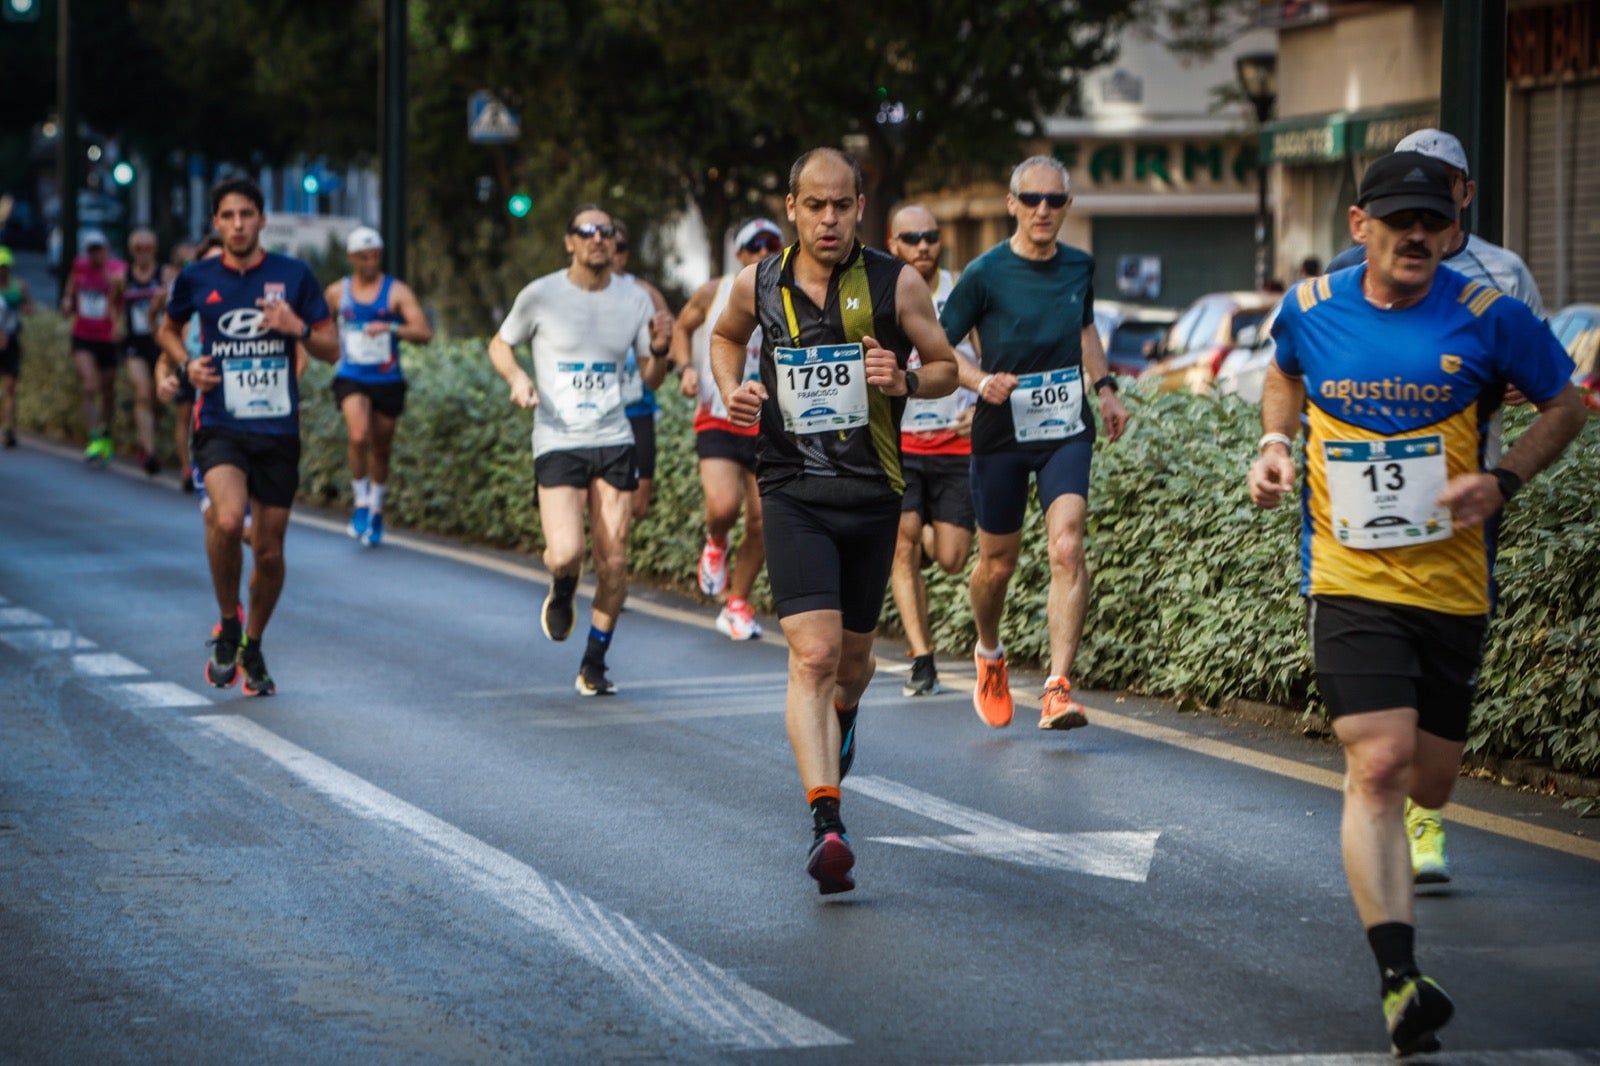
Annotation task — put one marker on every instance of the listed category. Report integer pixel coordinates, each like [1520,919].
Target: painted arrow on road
[1120,855]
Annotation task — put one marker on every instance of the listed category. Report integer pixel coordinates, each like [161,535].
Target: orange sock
[845,710]
[822,792]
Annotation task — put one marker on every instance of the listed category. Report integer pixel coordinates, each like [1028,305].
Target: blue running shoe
[360,520]
[830,861]
[374,534]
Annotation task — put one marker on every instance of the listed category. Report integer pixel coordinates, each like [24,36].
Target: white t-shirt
[580,340]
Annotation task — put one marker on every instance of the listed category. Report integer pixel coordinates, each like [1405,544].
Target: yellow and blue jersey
[1397,403]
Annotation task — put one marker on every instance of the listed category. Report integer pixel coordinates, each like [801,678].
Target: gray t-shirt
[580,340]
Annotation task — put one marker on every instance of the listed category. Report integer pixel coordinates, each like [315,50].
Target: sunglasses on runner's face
[1056,200]
[622,246]
[763,242]
[1404,220]
[590,230]
[927,236]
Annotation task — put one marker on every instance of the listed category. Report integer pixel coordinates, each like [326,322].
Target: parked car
[1202,337]
[1244,368]
[1577,327]
[1131,333]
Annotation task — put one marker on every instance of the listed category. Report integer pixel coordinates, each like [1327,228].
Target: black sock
[825,814]
[595,650]
[1394,944]
[564,587]
[231,629]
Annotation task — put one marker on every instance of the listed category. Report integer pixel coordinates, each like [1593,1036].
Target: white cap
[362,239]
[1436,143]
[93,237]
[749,231]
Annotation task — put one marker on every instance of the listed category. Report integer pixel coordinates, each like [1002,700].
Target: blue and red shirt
[259,392]
[372,359]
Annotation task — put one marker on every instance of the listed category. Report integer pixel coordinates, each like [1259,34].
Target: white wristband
[984,384]
[1274,438]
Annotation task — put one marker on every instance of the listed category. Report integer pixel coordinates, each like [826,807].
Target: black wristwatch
[1509,482]
[305,330]
[1109,381]
[912,383]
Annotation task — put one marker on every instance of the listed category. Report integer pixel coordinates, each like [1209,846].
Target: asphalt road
[428,848]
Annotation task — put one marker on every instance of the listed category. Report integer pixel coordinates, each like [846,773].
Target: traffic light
[311,184]
[20,10]
[519,205]
[123,174]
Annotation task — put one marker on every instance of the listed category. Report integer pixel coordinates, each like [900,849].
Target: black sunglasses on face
[762,242]
[927,236]
[1056,200]
[1404,220]
[588,230]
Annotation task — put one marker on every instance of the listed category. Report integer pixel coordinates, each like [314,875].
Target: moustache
[1412,247]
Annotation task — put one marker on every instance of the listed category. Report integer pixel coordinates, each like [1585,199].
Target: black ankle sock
[825,814]
[231,629]
[1394,946]
[564,587]
[595,651]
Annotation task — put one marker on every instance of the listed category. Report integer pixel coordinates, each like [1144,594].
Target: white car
[1244,369]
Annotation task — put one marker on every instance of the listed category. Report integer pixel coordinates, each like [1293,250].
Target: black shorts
[577,468]
[1374,656]
[720,444]
[270,461]
[388,397]
[644,443]
[939,489]
[822,557]
[11,358]
[142,347]
[1000,482]
[105,352]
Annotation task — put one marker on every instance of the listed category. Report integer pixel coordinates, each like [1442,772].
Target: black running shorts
[644,443]
[143,347]
[827,557]
[939,489]
[578,467]
[720,444]
[270,461]
[105,352]
[11,358]
[1374,656]
[388,397]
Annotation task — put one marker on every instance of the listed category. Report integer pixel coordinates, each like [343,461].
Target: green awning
[1328,138]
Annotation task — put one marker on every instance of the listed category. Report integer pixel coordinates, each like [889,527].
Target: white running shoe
[737,621]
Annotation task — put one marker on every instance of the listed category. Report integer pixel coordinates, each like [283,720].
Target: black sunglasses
[1057,200]
[927,236]
[592,229]
[1404,220]
[763,242]
[622,246]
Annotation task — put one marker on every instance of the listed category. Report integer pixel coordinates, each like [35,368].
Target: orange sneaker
[1058,710]
[991,696]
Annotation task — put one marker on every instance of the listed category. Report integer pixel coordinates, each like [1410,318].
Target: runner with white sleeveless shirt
[581,323]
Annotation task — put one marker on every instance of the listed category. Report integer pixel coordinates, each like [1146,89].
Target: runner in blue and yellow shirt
[253,307]
[1395,369]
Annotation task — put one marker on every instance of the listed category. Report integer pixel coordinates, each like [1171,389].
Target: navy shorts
[1000,482]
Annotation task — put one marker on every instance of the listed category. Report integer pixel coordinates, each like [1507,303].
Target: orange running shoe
[991,696]
[1058,710]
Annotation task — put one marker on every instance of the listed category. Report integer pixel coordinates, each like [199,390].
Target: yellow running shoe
[1425,831]
[1415,1012]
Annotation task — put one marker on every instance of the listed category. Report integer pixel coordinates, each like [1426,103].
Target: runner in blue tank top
[376,312]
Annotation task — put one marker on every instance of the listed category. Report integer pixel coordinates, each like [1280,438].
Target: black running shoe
[1415,1013]
[559,616]
[924,678]
[257,682]
[830,860]
[592,680]
[222,669]
[847,741]
[11,438]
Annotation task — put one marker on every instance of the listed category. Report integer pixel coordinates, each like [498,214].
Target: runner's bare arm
[654,362]
[1095,367]
[1282,399]
[1474,498]
[691,318]
[728,339]
[939,373]
[504,358]
[413,326]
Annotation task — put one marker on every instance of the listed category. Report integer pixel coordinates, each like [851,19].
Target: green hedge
[1194,588]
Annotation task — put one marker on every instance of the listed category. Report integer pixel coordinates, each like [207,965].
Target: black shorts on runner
[1000,482]
[644,444]
[577,468]
[270,461]
[11,358]
[105,352]
[823,557]
[1374,656]
[939,489]
[144,348]
[720,444]
[388,397]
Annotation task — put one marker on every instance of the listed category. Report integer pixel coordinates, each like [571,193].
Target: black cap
[1407,181]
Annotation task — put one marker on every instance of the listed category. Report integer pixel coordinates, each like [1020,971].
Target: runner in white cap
[375,313]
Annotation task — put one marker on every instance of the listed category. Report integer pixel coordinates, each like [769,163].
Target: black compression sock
[1394,946]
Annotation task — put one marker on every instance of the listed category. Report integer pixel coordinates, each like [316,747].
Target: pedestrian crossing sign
[489,121]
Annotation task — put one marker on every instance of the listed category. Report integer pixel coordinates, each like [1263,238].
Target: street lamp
[1258,77]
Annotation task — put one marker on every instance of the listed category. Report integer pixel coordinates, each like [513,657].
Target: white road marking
[106,664]
[1539,1057]
[41,640]
[674,982]
[21,616]
[1120,855]
[157,694]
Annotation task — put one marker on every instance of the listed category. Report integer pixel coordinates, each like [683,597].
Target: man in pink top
[92,300]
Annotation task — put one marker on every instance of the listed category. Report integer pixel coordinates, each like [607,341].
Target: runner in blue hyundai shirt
[253,305]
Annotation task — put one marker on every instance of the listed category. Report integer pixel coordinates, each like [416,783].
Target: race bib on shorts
[1383,493]
[823,388]
[257,388]
[1048,406]
[363,349]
